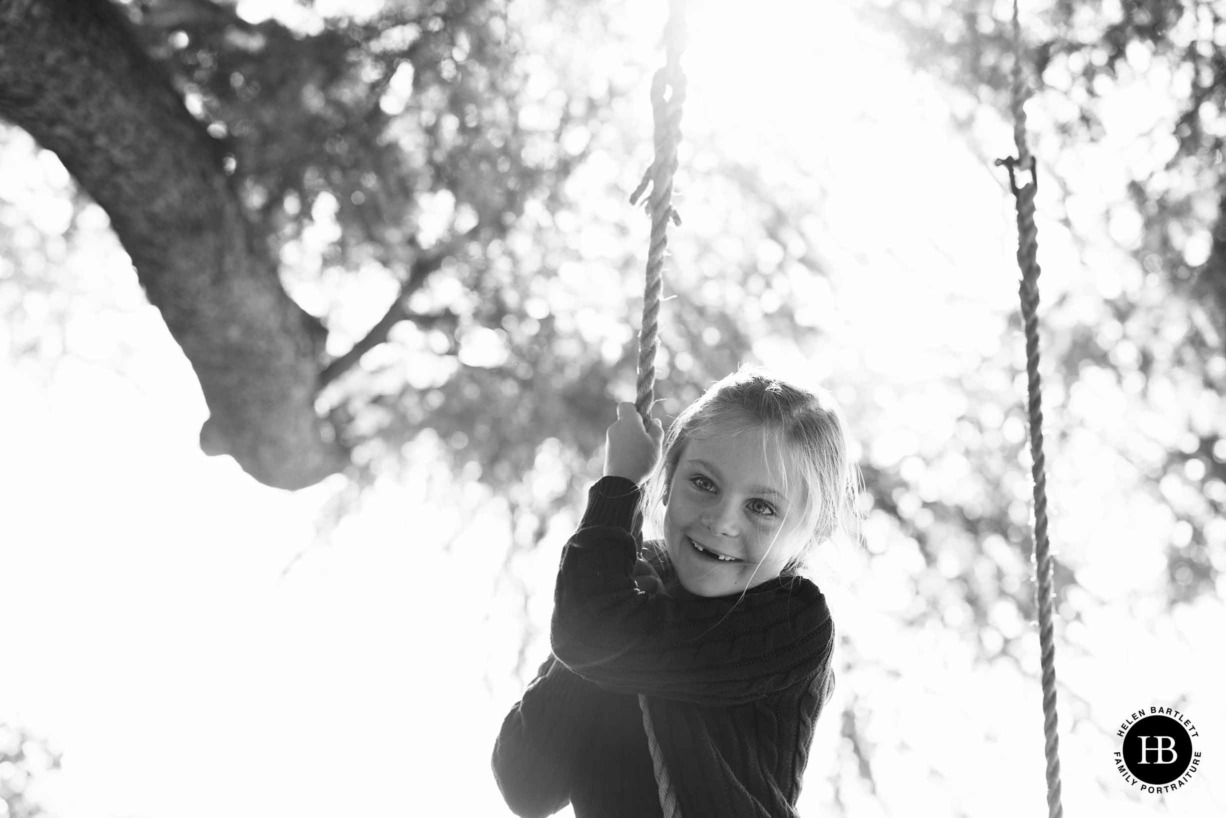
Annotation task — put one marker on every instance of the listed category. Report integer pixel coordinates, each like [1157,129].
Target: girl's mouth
[708,554]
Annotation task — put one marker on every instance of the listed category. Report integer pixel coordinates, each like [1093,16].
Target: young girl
[705,653]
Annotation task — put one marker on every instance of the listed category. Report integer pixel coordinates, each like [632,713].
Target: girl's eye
[762,508]
[702,483]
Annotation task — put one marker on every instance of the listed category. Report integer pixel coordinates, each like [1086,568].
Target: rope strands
[1028,292]
[668,795]
[667,99]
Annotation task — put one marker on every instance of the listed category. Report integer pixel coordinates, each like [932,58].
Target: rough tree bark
[74,76]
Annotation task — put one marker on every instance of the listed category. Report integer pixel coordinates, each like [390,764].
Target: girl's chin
[703,589]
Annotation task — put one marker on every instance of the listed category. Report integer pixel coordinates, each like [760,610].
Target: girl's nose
[721,520]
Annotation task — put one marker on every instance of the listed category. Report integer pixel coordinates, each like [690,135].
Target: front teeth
[719,557]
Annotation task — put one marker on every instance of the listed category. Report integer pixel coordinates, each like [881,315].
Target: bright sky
[155,637]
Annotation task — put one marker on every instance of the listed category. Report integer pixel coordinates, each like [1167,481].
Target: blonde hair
[807,429]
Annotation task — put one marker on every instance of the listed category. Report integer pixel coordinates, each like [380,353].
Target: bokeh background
[178,639]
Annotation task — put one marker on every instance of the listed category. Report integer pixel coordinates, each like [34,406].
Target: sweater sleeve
[711,651]
[537,748]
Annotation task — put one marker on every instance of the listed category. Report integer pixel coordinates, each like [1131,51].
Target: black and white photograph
[612,408]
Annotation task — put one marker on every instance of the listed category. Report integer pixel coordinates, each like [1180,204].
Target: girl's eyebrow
[752,489]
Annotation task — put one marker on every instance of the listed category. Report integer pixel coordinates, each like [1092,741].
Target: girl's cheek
[765,527]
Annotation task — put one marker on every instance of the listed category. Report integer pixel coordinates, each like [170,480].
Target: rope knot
[1012,163]
[668,88]
[667,98]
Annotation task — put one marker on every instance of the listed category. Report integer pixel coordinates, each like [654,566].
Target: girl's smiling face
[733,514]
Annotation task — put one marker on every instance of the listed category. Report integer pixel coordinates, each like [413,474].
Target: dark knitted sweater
[734,686]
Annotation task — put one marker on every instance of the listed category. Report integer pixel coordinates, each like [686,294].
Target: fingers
[628,411]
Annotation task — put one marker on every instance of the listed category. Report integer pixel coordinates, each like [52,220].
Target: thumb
[656,430]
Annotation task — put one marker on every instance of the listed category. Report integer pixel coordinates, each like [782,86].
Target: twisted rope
[1028,292]
[668,795]
[667,99]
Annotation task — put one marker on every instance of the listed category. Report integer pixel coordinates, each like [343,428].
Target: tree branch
[189,14]
[73,74]
[419,271]
[1210,283]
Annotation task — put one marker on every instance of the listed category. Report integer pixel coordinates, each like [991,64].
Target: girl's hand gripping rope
[631,450]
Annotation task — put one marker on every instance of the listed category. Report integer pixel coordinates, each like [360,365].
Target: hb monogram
[1165,744]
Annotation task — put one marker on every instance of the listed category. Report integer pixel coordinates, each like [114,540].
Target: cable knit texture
[734,685]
